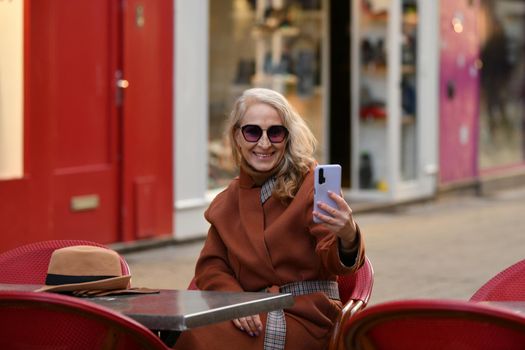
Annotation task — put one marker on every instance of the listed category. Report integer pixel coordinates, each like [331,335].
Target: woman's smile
[262,155]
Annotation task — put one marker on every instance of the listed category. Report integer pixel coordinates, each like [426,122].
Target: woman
[262,235]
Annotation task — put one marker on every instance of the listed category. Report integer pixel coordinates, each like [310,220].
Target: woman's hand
[250,324]
[340,221]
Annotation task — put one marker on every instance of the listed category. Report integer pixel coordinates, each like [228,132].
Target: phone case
[326,178]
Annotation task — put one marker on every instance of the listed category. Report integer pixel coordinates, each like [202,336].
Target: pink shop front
[482,76]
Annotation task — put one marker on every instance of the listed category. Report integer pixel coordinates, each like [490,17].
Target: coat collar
[245,180]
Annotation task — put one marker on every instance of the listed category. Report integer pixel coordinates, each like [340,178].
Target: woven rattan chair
[28,264]
[433,325]
[508,285]
[355,291]
[31,320]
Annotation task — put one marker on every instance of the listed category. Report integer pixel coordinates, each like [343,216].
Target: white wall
[428,103]
[191,118]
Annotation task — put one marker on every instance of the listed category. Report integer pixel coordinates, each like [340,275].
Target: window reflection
[263,43]
[502,30]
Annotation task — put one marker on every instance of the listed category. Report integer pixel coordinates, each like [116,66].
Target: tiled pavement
[444,248]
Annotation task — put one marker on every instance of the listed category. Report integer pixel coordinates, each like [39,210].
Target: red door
[85,170]
[459,89]
[147,118]
[98,164]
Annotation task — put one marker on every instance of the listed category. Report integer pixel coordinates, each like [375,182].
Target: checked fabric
[275,336]
[267,189]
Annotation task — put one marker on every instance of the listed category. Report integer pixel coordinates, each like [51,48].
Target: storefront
[482,119]
[284,45]
[235,45]
[391,88]
[360,102]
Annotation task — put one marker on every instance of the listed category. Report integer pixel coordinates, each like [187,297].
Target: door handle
[122,83]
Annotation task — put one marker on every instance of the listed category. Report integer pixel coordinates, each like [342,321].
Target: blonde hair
[300,143]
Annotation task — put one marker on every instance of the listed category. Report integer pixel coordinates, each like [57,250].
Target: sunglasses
[275,133]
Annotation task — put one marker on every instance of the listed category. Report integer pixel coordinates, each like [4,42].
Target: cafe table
[170,312]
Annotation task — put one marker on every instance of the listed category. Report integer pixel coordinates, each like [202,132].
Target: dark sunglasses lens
[251,133]
[276,133]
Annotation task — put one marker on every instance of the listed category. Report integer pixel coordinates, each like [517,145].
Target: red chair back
[433,325]
[28,263]
[507,285]
[31,320]
[355,291]
[357,286]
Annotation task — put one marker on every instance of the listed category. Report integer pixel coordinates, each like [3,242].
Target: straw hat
[83,268]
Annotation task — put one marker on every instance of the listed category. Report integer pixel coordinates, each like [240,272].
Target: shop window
[502,82]
[386,86]
[276,44]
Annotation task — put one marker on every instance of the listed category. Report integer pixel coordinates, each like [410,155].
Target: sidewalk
[444,248]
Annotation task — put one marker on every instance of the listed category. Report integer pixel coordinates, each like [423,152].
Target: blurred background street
[413,98]
[112,115]
[445,248]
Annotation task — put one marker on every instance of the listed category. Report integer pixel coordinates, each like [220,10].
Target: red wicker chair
[54,321]
[28,264]
[433,325]
[355,291]
[507,285]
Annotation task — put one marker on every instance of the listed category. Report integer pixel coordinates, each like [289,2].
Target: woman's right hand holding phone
[340,220]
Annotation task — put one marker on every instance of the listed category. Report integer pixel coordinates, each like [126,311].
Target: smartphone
[327,177]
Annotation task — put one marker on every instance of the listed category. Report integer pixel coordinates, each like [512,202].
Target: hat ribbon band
[56,280]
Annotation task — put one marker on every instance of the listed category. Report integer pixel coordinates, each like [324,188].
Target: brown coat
[251,247]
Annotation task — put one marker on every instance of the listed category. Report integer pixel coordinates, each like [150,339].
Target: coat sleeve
[354,256]
[327,245]
[213,271]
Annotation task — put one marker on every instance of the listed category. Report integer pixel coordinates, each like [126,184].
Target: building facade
[406,95]
[111,112]
[338,64]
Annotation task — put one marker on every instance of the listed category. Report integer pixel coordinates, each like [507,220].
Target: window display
[275,44]
[385,90]
[502,113]
[372,92]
